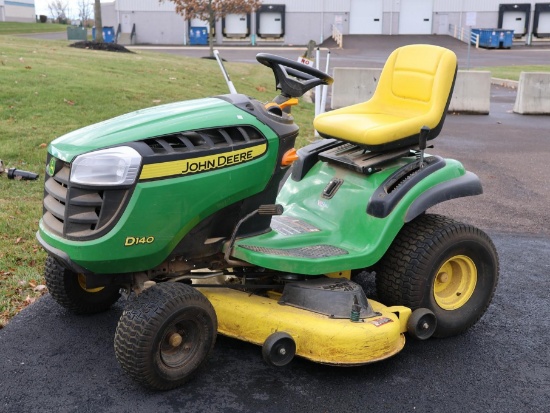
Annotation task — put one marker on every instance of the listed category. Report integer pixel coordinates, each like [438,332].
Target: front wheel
[68,288]
[165,335]
[443,265]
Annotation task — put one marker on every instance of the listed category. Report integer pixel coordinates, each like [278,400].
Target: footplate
[314,251]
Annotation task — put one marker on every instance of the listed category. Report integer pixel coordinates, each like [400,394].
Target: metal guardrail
[338,37]
[464,34]
[118,31]
[133,34]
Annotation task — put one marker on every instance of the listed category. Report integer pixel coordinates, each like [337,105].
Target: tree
[58,10]
[84,11]
[213,10]
[98,23]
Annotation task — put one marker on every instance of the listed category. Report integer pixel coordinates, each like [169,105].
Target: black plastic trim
[61,257]
[309,155]
[466,185]
[397,185]
[282,125]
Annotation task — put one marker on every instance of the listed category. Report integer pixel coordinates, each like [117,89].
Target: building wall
[108,15]
[159,28]
[305,20]
[18,11]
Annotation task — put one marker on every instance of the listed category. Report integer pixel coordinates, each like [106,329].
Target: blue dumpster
[198,35]
[493,38]
[108,34]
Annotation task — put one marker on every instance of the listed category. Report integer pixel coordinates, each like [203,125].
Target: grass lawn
[19,28]
[49,89]
[513,72]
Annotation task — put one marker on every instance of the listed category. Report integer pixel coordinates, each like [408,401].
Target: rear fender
[465,185]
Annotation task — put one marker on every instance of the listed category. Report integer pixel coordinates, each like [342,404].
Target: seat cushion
[371,130]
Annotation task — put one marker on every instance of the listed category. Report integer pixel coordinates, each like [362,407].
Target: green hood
[147,123]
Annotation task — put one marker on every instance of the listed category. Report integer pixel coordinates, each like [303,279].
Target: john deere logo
[51,167]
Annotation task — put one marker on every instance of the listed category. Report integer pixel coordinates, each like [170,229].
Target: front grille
[79,213]
[201,140]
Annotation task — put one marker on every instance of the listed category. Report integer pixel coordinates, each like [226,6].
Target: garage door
[236,25]
[415,17]
[365,17]
[514,20]
[544,23]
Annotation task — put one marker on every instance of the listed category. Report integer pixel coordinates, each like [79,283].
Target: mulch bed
[108,47]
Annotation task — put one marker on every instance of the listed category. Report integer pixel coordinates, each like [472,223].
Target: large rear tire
[69,290]
[443,265]
[165,335]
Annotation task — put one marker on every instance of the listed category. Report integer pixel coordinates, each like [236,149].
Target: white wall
[19,11]
[306,20]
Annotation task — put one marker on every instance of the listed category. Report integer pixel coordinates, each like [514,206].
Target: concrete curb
[512,84]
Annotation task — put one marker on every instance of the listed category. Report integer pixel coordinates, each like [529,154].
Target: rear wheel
[165,335]
[443,265]
[69,290]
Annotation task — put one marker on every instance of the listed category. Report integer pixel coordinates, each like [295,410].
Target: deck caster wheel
[421,324]
[279,349]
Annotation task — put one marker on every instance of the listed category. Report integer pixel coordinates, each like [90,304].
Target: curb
[512,84]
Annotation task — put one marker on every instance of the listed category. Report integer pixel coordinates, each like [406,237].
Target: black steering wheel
[293,78]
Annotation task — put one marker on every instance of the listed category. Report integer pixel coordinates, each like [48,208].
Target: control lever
[422,142]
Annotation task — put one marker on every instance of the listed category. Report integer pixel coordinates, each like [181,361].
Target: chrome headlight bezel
[118,166]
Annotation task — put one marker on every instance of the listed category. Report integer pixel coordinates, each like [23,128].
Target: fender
[466,185]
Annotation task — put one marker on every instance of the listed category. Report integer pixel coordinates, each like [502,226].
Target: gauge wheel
[165,335]
[68,288]
[279,349]
[421,324]
[446,266]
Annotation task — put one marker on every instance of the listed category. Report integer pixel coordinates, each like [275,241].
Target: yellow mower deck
[318,337]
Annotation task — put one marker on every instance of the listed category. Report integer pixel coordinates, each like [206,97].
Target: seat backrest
[417,80]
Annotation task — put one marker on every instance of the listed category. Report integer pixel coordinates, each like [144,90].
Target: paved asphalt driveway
[53,361]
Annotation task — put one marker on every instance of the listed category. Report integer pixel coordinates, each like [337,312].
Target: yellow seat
[414,90]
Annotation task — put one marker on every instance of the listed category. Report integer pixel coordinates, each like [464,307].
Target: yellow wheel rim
[455,282]
[82,283]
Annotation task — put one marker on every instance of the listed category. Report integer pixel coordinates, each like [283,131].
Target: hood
[150,122]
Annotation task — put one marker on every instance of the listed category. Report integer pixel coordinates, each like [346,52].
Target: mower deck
[318,337]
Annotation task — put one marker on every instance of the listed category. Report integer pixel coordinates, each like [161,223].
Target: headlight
[107,167]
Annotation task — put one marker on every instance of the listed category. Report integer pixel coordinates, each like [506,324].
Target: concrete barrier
[533,96]
[472,91]
[353,85]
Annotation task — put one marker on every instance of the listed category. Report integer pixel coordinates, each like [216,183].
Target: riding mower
[208,220]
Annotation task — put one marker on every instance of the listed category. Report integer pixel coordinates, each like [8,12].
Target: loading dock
[270,21]
[514,17]
[541,21]
[236,25]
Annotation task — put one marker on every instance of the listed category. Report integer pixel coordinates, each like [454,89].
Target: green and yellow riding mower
[205,216]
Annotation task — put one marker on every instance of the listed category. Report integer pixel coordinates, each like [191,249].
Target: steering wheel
[293,78]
